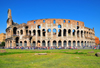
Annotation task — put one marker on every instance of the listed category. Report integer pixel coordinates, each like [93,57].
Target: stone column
[67,43]
[24,31]
[62,43]
[46,43]
[76,43]
[19,32]
[51,30]
[80,34]
[57,43]
[51,43]
[62,30]
[76,33]
[41,30]
[46,30]
[67,33]
[56,32]
[9,43]
[36,34]
[71,43]
[71,33]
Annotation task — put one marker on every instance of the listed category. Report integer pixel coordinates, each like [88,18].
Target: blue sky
[87,11]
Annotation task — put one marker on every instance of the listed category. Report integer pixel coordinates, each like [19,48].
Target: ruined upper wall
[59,21]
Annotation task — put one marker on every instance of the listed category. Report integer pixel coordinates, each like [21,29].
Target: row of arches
[60,32]
[56,43]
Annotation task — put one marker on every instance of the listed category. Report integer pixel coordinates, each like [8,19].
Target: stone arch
[64,32]
[54,21]
[78,33]
[59,43]
[78,43]
[73,32]
[69,43]
[29,32]
[38,43]
[85,33]
[38,26]
[21,32]
[17,41]
[43,32]
[49,30]
[20,43]
[85,43]
[74,43]
[65,43]
[34,32]
[69,31]
[82,34]
[49,43]
[39,32]
[54,43]
[54,31]
[25,43]
[10,43]
[59,26]
[82,43]
[14,30]
[43,43]
[59,33]
[26,32]
[34,43]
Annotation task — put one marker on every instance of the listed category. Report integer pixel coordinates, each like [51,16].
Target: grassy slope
[54,59]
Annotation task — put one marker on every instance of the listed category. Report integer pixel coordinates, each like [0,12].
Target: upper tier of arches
[55,21]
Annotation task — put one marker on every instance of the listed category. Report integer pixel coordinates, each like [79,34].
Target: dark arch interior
[14,30]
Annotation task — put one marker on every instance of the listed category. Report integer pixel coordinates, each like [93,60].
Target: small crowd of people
[53,47]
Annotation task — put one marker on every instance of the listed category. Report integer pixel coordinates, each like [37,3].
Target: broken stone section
[40,53]
[97,54]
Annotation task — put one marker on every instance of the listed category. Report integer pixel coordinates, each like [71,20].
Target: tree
[2,44]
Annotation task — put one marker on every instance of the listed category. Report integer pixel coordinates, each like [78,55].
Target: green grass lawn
[14,58]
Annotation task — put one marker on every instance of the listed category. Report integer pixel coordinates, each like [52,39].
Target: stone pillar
[24,31]
[67,43]
[56,32]
[80,44]
[76,43]
[57,43]
[46,30]
[62,43]
[80,34]
[57,29]
[71,30]
[19,32]
[51,30]
[51,43]
[71,43]
[31,32]
[83,33]
[23,43]
[41,30]
[28,43]
[67,32]
[62,30]
[76,33]
[46,43]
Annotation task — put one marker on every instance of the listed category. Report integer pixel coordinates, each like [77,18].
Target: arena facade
[48,32]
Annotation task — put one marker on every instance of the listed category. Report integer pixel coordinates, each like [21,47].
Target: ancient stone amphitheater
[48,32]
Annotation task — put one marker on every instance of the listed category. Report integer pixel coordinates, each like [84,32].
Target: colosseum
[48,32]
